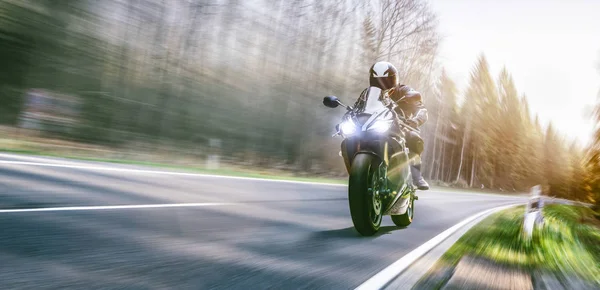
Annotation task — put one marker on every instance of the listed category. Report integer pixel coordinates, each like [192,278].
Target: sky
[551,48]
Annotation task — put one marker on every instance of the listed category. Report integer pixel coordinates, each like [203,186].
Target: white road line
[159,172]
[109,207]
[382,278]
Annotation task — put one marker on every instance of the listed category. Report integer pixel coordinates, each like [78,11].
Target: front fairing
[368,135]
[372,116]
[369,128]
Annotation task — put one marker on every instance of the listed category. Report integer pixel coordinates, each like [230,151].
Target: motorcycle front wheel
[365,203]
[404,220]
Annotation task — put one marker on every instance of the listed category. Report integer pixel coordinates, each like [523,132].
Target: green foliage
[567,244]
[592,163]
[497,238]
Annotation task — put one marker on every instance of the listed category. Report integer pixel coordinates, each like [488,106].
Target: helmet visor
[384,83]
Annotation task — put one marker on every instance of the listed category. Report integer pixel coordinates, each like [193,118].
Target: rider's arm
[412,104]
[421,115]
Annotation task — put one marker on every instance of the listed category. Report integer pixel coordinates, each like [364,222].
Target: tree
[510,137]
[576,181]
[481,112]
[556,165]
[402,32]
[444,115]
[531,149]
[593,160]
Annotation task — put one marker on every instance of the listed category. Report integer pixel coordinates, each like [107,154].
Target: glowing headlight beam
[348,127]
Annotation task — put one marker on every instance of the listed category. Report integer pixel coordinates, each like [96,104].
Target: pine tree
[576,180]
[510,138]
[556,164]
[481,112]
[531,149]
[444,116]
[593,160]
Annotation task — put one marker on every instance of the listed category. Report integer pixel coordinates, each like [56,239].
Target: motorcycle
[377,159]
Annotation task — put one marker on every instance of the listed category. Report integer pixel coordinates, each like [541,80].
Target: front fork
[380,185]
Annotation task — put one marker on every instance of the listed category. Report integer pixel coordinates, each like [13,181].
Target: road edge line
[162,172]
[113,207]
[385,276]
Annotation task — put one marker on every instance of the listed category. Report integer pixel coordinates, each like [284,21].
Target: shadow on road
[350,233]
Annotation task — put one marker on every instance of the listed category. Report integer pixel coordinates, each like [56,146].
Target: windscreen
[373,101]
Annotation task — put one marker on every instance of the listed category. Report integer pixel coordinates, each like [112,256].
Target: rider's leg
[418,180]
[416,145]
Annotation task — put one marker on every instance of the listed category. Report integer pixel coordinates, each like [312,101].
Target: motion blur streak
[235,87]
[229,83]
[283,235]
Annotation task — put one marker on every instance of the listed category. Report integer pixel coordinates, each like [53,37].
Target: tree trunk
[449,175]
[435,132]
[462,155]
[472,173]
[439,171]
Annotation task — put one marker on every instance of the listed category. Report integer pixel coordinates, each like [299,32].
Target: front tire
[365,207]
[404,220]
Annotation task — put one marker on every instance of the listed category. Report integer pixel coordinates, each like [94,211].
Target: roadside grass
[567,245]
[570,241]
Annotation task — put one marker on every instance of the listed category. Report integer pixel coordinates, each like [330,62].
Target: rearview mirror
[331,101]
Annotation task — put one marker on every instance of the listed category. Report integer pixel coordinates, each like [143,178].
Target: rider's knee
[415,143]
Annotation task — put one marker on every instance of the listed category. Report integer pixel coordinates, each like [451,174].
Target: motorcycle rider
[384,75]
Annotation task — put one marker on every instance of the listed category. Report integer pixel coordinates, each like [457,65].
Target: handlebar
[402,119]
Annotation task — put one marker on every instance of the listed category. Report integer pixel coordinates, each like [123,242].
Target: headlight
[348,127]
[381,126]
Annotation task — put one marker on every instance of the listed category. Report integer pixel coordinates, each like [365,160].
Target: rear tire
[365,207]
[404,220]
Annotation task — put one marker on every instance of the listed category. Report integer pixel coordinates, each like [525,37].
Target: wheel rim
[410,209]
[376,203]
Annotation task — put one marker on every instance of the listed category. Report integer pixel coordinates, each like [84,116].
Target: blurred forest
[177,73]
[592,162]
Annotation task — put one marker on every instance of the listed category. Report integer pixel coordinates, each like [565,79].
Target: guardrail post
[213,159]
[533,211]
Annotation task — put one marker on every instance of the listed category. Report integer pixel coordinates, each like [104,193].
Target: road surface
[237,234]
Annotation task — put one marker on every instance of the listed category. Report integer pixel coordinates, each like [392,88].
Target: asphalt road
[268,234]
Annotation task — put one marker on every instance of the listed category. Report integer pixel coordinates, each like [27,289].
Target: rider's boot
[418,179]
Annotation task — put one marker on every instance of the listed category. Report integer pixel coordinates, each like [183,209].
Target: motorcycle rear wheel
[366,207]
